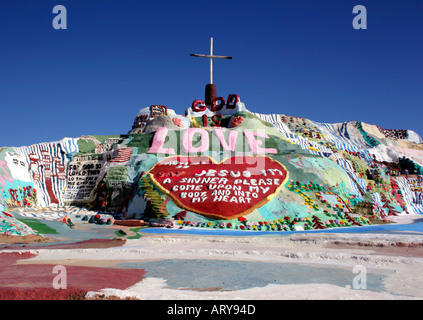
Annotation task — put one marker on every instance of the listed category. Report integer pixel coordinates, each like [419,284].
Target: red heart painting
[226,190]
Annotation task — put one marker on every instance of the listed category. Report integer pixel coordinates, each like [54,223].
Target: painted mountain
[223,166]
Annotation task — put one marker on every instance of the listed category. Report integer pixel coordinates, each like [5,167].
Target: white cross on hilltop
[211,56]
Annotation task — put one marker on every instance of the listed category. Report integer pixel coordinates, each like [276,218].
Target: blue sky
[296,57]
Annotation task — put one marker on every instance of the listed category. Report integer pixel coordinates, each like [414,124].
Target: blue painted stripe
[415,227]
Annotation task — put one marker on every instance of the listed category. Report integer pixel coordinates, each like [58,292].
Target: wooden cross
[211,56]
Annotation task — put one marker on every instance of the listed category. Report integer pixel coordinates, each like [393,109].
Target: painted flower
[229,225]
[237,121]
[222,225]
[241,227]
[179,222]
[178,122]
[209,224]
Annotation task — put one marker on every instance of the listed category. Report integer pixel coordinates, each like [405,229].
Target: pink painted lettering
[158,142]
[187,138]
[255,144]
[230,145]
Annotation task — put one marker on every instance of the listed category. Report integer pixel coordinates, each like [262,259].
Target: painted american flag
[123,155]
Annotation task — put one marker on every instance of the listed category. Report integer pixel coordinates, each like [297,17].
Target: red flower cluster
[178,122]
[236,121]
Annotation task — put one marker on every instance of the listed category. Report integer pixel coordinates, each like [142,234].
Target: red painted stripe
[35,281]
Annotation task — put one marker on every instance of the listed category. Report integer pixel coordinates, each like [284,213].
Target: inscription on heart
[226,190]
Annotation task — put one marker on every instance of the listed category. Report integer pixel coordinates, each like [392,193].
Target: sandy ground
[32,238]
[394,261]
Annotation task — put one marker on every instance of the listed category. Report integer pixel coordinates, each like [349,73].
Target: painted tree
[387,205]
[153,207]
[317,223]
[378,211]
[394,184]
[351,220]
[181,215]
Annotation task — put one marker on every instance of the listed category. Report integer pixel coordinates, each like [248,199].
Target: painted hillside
[222,166]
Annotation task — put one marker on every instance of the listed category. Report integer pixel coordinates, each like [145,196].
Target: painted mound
[222,166]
